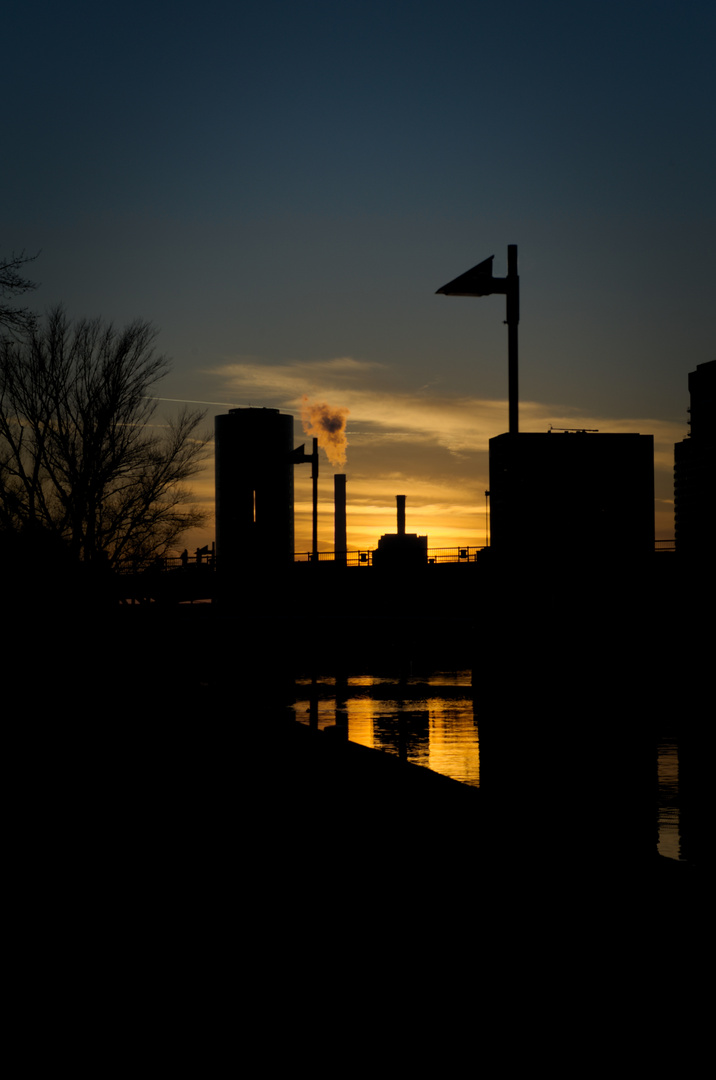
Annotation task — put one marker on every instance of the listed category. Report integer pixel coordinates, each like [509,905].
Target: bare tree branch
[79,457]
[17,320]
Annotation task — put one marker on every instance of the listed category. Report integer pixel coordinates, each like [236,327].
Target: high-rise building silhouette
[695,468]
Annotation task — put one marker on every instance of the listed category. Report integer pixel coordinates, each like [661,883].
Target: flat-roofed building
[576,493]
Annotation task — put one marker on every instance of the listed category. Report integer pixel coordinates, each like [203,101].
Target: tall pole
[512,320]
[340,543]
[480,282]
[314,477]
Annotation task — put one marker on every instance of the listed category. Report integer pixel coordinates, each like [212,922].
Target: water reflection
[430,720]
[427,721]
[668,765]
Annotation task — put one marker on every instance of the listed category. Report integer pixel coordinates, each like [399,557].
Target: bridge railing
[461,554]
[205,559]
[453,554]
[365,557]
[348,558]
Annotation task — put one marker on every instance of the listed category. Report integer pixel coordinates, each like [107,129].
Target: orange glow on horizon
[450,514]
[433,449]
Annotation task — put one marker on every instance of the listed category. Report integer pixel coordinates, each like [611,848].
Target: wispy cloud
[420,440]
[383,407]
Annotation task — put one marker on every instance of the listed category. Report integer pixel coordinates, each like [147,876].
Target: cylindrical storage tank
[254,488]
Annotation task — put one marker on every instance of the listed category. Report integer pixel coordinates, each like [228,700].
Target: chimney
[400,500]
[340,542]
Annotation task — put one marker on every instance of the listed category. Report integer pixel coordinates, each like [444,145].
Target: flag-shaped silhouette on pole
[476,282]
[480,282]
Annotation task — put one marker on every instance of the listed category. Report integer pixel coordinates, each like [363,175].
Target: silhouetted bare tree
[79,456]
[15,319]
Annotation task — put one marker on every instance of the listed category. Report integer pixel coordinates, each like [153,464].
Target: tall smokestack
[314,477]
[339,497]
[400,500]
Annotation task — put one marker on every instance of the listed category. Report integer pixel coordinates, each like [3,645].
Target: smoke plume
[328,425]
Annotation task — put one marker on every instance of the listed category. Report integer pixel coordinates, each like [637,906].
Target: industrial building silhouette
[577,493]
[570,494]
[254,488]
[574,493]
[401,549]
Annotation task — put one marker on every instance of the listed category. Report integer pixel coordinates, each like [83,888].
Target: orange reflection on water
[360,721]
[454,745]
[668,772]
[427,721]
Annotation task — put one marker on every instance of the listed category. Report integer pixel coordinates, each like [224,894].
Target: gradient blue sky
[282,187]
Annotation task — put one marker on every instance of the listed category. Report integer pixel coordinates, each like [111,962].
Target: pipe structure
[300,457]
[314,477]
[512,319]
[340,544]
[400,500]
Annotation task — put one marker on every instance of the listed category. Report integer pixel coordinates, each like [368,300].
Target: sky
[282,188]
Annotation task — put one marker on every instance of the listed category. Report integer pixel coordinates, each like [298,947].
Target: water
[430,720]
[668,769]
[427,721]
